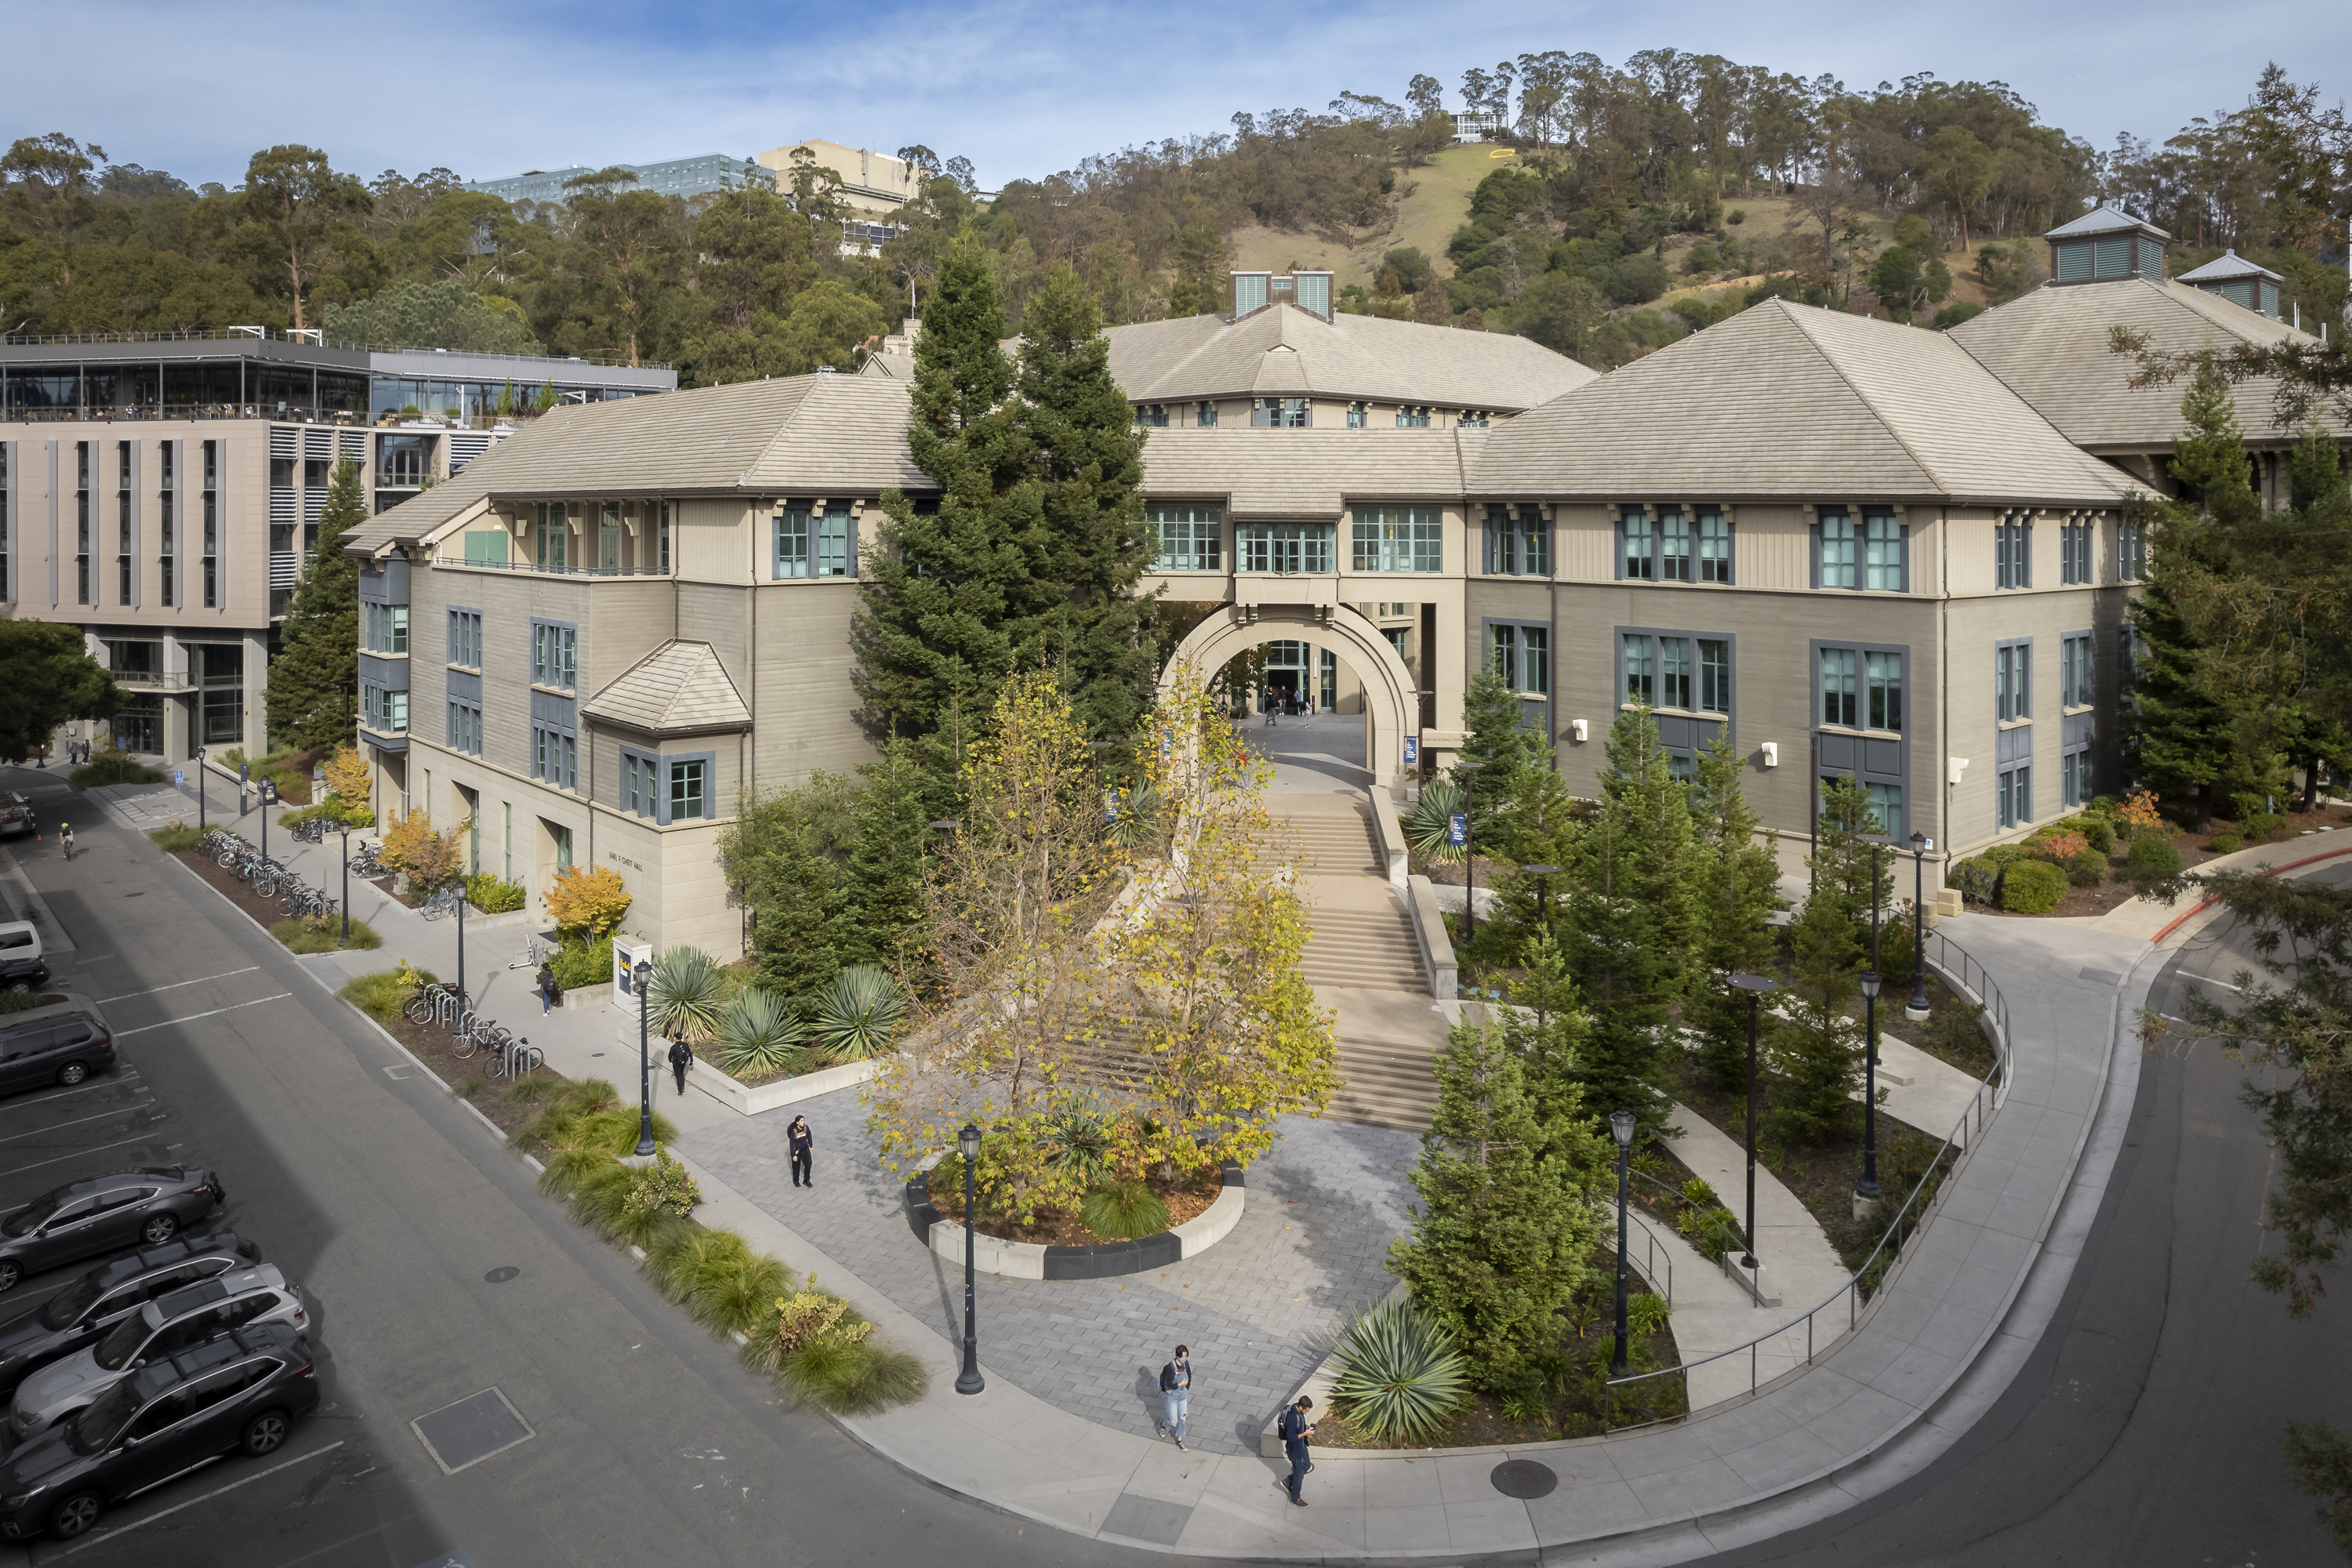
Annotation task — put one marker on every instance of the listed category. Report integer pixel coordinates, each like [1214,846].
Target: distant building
[1478,125]
[874,186]
[677,177]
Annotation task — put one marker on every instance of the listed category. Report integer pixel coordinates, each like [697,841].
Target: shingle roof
[891,366]
[2051,346]
[828,435]
[1282,351]
[1306,475]
[679,688]
[1787,400]
[2226,265]
[2104,220]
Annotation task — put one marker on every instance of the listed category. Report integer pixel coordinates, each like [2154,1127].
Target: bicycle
[442,903]
[366,864]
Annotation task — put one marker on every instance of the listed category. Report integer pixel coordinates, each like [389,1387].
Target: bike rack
[444,1008]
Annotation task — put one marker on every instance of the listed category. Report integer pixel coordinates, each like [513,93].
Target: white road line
[77,1155]
[122,1076]
[2208,980]
[208,1496]
[55,1126]
[127,995]
[215,1013]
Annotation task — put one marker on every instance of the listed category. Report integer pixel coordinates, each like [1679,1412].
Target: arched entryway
[1390,704]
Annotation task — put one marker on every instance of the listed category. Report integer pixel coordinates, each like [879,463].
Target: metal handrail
[1729,1241]
[1653,1260]
[1971,979]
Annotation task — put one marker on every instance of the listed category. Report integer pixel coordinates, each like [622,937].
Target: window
[1284,547]
[386,712]
[554,655]
[1833,552]
[2014,795]
[2131,551]
[665,539]
[555,755]
[2013,552]
[1151,415]
[555,534]
[2074,551]
[1639,546]
[1674,672]
[84,593]
[2127,647]
[1280,413]
[1190,537]
[1862,689]
[165,537]
[466,639]
[1519,546]
[1713,547]
[1839,703]
[1410,418]
[637,783]
[466,727]
[1640,688]
[1520,652]
[1885,552]
[2074,671]
[686,790]
[1473,419]
[384,628]
[1714,675]
[211,556]
[1205,415]
[1887,806]
[2012,681]
[834,532]
[1674,545]
[1398,539]
[608,539]
[2074,779]
[1359,416]
[793,542]
[6,586]
[1882,678]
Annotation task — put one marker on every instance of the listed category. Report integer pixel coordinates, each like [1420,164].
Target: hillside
[1437,205]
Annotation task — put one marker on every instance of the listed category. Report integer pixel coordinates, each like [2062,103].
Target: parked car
[147,1207]
[84,1311]
[180,1322]
[60,1041]
[24,963]
[16,815]
[243,1391]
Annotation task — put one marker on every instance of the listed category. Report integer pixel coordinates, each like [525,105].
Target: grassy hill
[1439,203]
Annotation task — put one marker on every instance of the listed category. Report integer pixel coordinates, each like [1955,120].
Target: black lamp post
[347,884]
[1620,1126]
[1867,1188]
[1755,986]
[1469,771]
[969,1380]
[1543,876]
[1919,842]
[200,789]
[644,976]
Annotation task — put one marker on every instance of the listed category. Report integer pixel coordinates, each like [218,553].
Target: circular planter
[1103,1260]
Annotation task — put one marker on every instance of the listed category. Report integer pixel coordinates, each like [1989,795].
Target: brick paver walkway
[1257,1309]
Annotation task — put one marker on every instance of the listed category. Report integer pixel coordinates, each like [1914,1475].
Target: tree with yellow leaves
[590,900]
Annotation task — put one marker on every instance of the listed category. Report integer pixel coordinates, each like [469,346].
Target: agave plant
[761,1034]
[858,1013]
[1134,815]
[1077,1138]
[1400,1375]
[1430,829]
[688,995]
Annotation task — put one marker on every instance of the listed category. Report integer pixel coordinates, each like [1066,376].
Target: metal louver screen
[2115,255]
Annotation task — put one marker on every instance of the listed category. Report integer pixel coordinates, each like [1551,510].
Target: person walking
[804,1144]
[1295,1429]
[1175,1395]
[681,1057]
[547,989]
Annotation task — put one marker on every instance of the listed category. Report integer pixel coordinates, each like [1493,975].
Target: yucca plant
[1122,1211]
[688,995]
[1400,1376]
[1077,1138]
[1134,815]
[761,1034]
[858,1013]
[1430,829]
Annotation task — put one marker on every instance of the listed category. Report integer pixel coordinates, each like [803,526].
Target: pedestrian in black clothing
[804,1144]
[547,989]
[1295,1430]
[681,1056]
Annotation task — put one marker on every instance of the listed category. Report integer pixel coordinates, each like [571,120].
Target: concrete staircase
[1385,1083]
[1324,843]
[1372,950]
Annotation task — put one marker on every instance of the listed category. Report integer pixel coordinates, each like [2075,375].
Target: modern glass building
[677,177]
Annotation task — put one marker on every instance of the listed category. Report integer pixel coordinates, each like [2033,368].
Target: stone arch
[1391,701]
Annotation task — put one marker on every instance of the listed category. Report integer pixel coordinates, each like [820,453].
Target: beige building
[874,186]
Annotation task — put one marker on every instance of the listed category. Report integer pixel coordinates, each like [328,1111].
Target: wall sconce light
[1771,754]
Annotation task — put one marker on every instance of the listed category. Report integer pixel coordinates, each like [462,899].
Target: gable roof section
[679,688]
[1306,475]
[2104,220]
[829,435]
[1282,351]
[1788,402]
[2049,346]
[2226,265]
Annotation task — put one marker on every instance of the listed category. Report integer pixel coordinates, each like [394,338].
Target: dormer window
[1412,417]
[1474,419]
[1280,413]
[1151,415]
[2239,281]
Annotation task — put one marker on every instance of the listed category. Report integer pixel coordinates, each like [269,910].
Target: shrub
[1975,878]
[381,995]
[2152,859]
[493,894]
[1646,1314]
[1429,830]
[588,899]
[2088,869]
[1123,1211]
[1077,1138]
[324,933]
[293,785]
[1735,215]
[2004,855]
[2225,844]
[347,780]
[2060,845]
[113,767]
[2261,827]
[588,1115]
[579,964]
[686,996]
[2138,811]
[2032,887]
[411,847]
[25,1001]
[2100,834]
[718,1278]
[664,1186]
[179,837]
[853,1377]
[858,1013]
[760,1035]
[1398,1374]
[1898,948]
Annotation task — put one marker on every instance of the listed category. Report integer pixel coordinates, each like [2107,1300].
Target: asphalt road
[2145,1428]
[396,1210]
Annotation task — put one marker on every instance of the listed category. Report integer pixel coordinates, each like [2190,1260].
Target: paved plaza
[1258,1308]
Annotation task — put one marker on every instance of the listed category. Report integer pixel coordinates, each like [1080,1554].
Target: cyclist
[65,835]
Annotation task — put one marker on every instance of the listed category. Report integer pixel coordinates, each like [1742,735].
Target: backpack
[1168,1378]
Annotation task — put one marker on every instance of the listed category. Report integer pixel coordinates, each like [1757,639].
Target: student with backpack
[1175,1395]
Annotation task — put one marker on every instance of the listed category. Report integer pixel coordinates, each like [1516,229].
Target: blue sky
[1021,88]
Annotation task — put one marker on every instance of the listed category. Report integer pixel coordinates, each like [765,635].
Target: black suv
[84,1311]
[105,1214]
[244,1391]
[62,1042]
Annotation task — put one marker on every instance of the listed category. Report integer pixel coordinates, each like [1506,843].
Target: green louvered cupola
[2104,245]
[2239,281]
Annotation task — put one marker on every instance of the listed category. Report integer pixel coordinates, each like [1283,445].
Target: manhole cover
[471,1430]
[1524,1478]
[501,1275]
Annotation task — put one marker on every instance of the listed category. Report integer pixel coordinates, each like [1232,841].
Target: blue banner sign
[1412,750]
[1457,830]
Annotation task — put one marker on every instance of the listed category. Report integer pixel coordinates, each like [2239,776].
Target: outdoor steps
[1383,1083]
[1325,845]
[1370,950]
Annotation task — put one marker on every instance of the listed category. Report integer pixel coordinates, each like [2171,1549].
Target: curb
[2203,904]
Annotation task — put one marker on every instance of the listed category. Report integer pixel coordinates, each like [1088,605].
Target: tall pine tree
[1735,884]
[314,680]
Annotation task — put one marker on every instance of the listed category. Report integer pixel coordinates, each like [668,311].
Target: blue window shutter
[1617,556]
[1816,550]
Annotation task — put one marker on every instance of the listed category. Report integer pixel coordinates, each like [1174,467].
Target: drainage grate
[471,1430]
[2100,977]
[1524,1480]
[1147,1519]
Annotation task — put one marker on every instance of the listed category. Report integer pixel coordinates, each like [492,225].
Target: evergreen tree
[799,930]
[882,885]
[945,588]
[1841,861]
[1089,623]
[1735,884]
[314,680]
[1500,1240]
[1813,1048]
[1198,288]
[1505,755]
[1626,922]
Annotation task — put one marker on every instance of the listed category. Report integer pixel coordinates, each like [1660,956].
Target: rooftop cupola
[2239,281]
[2102,245]
[1254,291]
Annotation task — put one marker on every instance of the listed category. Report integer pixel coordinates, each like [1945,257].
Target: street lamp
[1867,1188]
[969,1380]
[200,789]
[1469,771]
[1920,844]
[1620,1126]
[1755,986]
[644,976]
[347,883]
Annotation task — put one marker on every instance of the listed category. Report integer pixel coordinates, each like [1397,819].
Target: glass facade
[1284,547]
[1398,539]
[1189,538]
